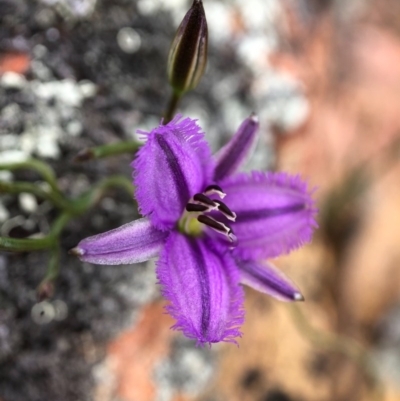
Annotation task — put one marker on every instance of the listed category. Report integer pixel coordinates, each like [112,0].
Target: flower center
[195,216]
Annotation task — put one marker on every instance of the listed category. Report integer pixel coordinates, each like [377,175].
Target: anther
[205,200]
[195,207]
[226,211]
[215,189]
[217,226]
[214,224]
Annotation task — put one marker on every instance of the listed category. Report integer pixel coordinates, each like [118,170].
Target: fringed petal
[266,278]
[275,213]
[173,165]
[202,286]
[134,242]
[237,150]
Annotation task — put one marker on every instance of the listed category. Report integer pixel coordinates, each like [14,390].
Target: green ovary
[189,225]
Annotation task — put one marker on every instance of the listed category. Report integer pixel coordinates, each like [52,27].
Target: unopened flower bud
[188,54]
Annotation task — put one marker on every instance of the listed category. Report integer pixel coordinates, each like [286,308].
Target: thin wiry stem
[70,209]
[112,149]
[55,197]
[340,344]
[36,244]
[39,166]
[172,106]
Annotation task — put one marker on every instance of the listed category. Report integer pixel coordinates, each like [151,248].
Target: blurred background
[324,78]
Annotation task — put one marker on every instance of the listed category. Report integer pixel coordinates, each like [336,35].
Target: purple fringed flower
[207,246]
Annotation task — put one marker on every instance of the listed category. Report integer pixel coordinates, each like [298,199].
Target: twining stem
[341,344]
[54,197]
[25,245]
[70,209]
[111,149]
[45,289]
[172,106]
[59,224]
[36,244]
[119,148]
[53,267]
[90,198]
[116,181]
[40,167]
[74,207]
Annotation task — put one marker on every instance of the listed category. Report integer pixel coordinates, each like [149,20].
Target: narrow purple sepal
[173,165]
[202,287]
[266,278]
[134,242]
[235,153]
[275,213]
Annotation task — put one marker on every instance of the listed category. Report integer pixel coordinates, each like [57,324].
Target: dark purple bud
[188,54]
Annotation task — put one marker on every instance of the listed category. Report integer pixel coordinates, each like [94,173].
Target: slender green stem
[172,106]
[36,244]
[25,245]
[91,197]
[337,343]
[54,265]
[40,167]
[59,224]
[75,208]
[70,208]
[111,149]
[116,181]
[45,289]
[18,187]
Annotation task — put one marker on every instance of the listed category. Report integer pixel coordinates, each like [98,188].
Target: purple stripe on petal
[266,278]
[249,215]
[173,165]
[202,287]
[175,168]
[134,242]
[237,150]
[275,213]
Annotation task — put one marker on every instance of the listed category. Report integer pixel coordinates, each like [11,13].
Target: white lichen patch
[57,115]
[4,213]
[72,9]
[27,202]
[187,369]
[128,40]
[12,80]
[13,156]
[283,102]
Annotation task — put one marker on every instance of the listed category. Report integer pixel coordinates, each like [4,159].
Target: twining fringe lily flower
[207,246]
